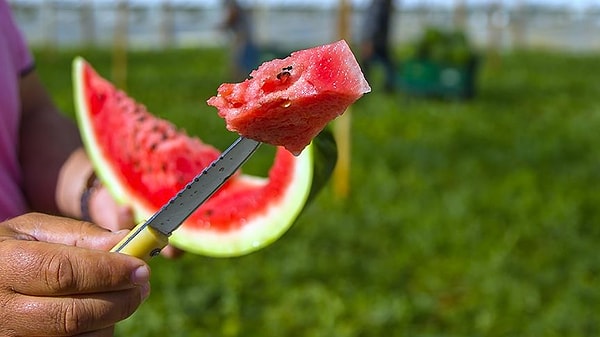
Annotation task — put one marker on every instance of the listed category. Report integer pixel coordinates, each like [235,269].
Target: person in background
[56,275]
[244,51]
[375,41]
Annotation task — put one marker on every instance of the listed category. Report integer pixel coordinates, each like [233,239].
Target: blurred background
[183,23]
[470,207]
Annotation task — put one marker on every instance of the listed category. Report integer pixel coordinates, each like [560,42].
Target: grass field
[477,218]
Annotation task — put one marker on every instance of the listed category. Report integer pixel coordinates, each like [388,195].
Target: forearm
[47,152]
[49,160]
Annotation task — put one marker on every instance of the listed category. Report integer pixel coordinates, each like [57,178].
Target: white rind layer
[259,231]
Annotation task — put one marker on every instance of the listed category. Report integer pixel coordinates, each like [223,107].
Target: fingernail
[141,275]
[145,291]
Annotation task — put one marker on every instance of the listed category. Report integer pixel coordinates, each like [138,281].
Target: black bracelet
[90,186]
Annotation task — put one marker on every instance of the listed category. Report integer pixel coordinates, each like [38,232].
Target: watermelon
[287,102]
[144,161]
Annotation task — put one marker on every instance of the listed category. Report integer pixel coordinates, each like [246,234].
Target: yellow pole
[341,126]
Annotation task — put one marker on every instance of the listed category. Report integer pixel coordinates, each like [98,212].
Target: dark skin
[42,124]
[57,278]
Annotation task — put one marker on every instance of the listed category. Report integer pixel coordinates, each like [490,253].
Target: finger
[171,252]
[47,228]
[108,214]
[45,269]
[69,316]
[125,218]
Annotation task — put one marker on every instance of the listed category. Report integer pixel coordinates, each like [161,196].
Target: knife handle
[143,241]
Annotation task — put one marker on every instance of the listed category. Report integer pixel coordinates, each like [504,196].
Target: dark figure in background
[244,51]
[375,40]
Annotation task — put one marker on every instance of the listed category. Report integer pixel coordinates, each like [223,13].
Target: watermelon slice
[144,161]
[287,102]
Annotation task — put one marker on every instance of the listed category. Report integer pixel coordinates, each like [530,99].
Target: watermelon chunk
[287,102]
[144,161]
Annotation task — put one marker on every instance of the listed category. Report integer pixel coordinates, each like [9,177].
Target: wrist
[91,185]
[73,181]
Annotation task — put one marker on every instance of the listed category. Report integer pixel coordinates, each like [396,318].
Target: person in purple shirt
[56,274]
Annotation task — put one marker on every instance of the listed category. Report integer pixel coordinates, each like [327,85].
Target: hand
[105,211]
[56,278]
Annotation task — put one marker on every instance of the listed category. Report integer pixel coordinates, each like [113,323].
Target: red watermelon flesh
[287,102]
[139,143]
[144,161]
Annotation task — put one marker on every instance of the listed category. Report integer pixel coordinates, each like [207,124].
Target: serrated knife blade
[150,237]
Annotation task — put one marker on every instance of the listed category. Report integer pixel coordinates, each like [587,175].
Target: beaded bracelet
[90,186]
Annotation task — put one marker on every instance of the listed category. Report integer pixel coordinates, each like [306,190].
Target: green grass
[476,218]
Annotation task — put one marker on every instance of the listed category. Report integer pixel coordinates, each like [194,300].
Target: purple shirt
[15,61]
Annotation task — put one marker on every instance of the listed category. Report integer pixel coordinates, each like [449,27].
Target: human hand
[106,212]
[56,278]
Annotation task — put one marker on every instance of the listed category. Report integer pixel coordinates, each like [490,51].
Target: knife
[148,238]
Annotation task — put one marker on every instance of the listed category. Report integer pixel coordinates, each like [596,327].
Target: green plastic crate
[428,78]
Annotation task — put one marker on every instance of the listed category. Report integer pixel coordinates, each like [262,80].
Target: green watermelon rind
[104,171]
[255,234]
